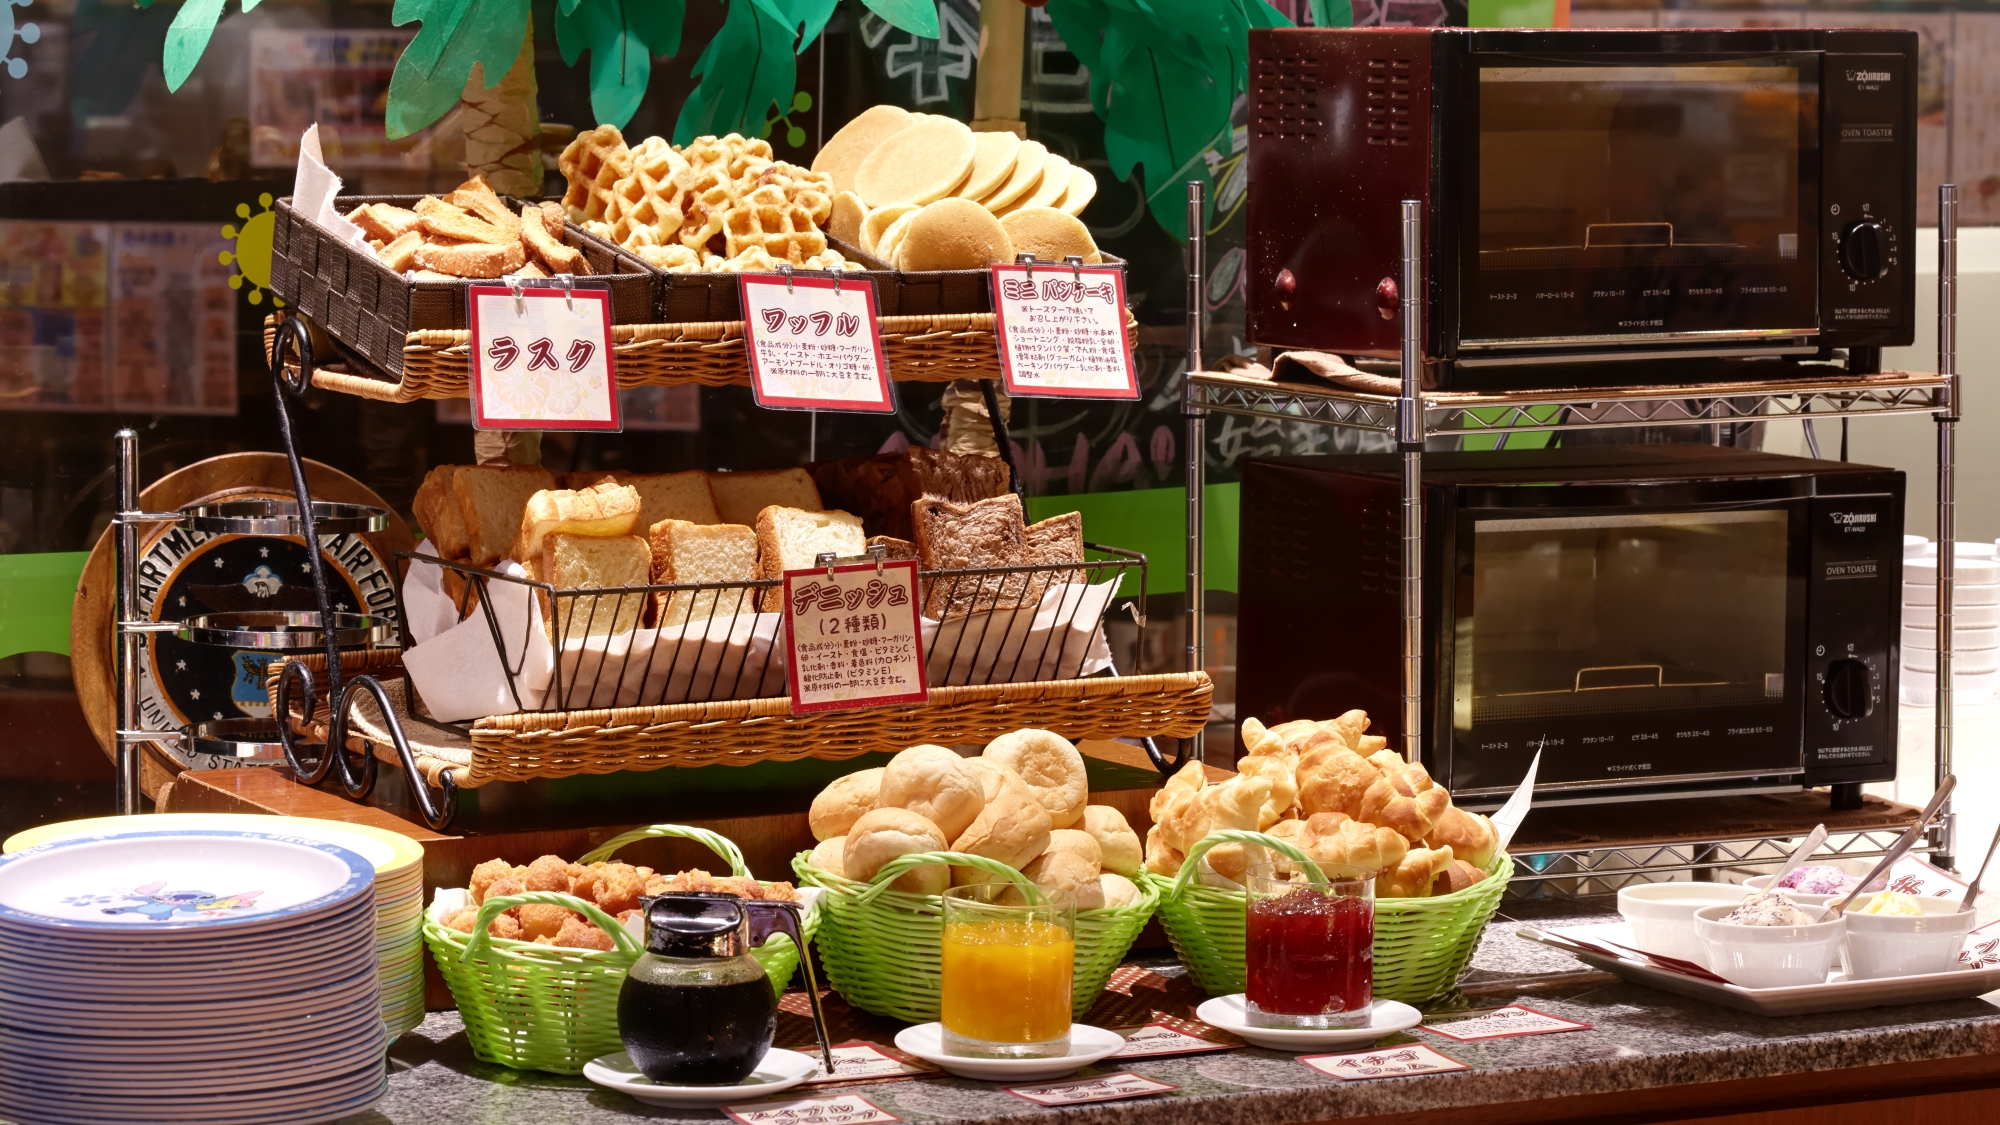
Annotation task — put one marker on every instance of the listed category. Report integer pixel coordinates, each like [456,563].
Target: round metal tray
[274,630]
[249,740]
[281,517]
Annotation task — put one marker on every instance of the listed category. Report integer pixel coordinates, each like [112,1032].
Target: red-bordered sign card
[854,636]
[541,357]
[1062,331]
[815,343]
[1501,1023]
[838,1109]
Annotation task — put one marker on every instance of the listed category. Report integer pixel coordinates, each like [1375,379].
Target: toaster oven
[1589,197]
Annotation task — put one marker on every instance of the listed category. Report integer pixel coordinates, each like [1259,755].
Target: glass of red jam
[1309,947]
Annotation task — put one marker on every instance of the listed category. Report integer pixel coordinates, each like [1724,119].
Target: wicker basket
[544,1007]
[1422,945]
[881,947]
[920,349]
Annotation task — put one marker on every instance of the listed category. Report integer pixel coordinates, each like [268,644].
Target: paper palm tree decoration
[1164,74]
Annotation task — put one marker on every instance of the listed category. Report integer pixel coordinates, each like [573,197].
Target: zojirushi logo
[1869,76]
[1849,518]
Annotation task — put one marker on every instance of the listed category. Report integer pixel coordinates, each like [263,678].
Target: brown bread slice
[1058,539]
[491,499]
[740,496]
[686,552]
[436,509]
[953,536]
[896,548]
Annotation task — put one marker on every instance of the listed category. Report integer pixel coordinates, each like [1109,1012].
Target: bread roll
[829,856]
[1414,816]
[1471,837]
[992,775]
[840,804]
[1115,839]
[1334,779]
[1117,889]
[1066,878]
[1013,828]
[1077,843]
[934,783]
[1051,767]
[1162,858]
[1337,839]
[883,834]
[1459,876]
[1284,785]
[1413,877]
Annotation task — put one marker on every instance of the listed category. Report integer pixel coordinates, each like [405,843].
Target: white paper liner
[1060,639]
[704,659]
[458,672]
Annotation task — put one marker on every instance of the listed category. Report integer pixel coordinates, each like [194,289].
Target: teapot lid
[683,924]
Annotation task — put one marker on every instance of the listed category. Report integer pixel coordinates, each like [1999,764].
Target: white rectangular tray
[1838,994]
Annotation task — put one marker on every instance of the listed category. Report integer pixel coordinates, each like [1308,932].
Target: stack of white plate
[399,885]
[213,976]
[1975,631]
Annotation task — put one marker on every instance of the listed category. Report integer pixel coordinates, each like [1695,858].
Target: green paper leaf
[188,38]
[123,45]
[433,70]
[622,37]
[748,67]
[1264,15]
[918,17]
[1333,13]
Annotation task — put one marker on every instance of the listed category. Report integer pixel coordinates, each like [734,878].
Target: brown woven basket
[566,743]
[372,310]
[920,349]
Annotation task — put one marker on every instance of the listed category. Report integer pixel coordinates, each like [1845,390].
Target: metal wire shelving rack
[1413,414]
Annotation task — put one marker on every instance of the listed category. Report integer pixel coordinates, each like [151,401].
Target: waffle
[705,194]
[767,218]
[644,209]
[670,257]
[803,187]
[593,163]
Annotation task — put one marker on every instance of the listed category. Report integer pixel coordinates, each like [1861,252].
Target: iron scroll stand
[1408,418]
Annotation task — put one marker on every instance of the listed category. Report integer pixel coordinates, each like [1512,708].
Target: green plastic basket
[545,1007]
[1422,945]
[881,947]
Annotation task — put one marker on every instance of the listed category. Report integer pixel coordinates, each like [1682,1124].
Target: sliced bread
[1058,539]
[953,536]
[880,488]
[585,562]
[793,539]
[740,496]
[895,548]
[436,509]
[686,552]
[604,510]
[675,496]
[491,499]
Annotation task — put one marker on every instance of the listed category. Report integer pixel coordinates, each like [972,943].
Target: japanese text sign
[852,636]
[1503,1022]
[541,358]
[841,1109]
[1062,331]
[1101,1088]
[1386,1062]
[814,343]
[1159,1039]
[867,1062]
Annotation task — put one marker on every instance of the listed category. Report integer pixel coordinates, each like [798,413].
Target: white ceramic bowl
[1895,945]
[1759,882]
[1769,956]
[1662,915]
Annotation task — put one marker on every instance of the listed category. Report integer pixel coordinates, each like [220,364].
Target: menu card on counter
[868,1062]
[1157,1039]
[834,1109]
[1912,876]
[1503,1022]
[1099,1088]
[1389,1062]
[814,343]
[541,357]
[1062,331]
[853,636]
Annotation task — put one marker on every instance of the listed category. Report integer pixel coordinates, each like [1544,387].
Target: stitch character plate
[175,882]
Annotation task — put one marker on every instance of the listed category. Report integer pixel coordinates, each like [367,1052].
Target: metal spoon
[1901,846]
[1799,855]
[1972,892]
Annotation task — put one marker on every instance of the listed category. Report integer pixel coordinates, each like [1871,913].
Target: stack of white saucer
[220,977]
[1975,631]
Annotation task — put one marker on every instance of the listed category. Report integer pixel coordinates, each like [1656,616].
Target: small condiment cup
[1769,956]
[1661,915]
[1901,945]
[1763,882]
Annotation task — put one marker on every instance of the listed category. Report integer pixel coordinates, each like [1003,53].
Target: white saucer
[1086,1045]
[780,1070]
[1385,1017]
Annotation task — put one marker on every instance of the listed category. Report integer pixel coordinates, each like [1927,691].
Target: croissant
[1414,816]
[1284,785]
[1236,803]
[1471,837]
[1456,878]
[1369,743]
[1334,779]
[1338,839]
[1162,859]
[1414,876]
[1189,778]
[1348,727]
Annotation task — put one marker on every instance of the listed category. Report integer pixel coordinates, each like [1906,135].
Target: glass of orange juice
[1007,970]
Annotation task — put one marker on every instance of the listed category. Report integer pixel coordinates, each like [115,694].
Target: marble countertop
[1638,1039]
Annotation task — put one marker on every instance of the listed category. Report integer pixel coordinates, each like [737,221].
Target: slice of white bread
[984,533]
[584,562]
[604,510]
[740,496]
[491,499]
[436,509]
[686,552]
[793,539]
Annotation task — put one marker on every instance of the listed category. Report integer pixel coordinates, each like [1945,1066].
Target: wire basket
[1422,945]
[881,948]
[658,645]
[548,1007]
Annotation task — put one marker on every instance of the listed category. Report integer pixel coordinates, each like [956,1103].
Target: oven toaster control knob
[1864,250]
[1848,692]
